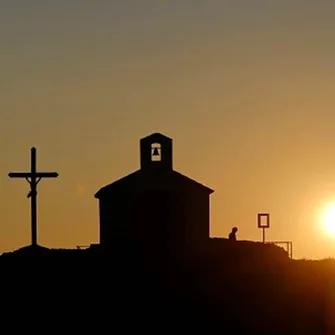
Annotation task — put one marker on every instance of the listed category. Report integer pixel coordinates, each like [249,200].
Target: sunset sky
[246,89]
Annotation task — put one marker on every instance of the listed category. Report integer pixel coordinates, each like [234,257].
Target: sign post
[263,221]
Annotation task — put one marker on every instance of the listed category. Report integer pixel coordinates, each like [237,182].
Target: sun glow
[328,219]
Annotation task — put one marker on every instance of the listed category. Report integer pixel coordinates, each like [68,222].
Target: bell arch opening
[156,152]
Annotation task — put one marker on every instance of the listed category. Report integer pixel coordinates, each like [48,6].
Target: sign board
[263,220]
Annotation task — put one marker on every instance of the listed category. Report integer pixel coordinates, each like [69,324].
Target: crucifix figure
[33,179]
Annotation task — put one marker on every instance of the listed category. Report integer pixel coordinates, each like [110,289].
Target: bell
[155,153]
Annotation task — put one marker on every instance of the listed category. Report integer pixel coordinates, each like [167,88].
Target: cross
[33,179]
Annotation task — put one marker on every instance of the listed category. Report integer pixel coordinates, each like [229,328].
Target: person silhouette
[232,235]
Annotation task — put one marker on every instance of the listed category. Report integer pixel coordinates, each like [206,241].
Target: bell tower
[156,151]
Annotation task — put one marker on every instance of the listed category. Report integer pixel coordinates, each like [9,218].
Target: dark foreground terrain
[227,288]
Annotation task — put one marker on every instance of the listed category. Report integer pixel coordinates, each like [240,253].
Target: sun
[328,219]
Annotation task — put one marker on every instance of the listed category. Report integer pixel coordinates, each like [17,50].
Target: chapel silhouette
[155,206]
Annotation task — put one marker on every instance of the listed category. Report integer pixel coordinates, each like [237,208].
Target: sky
[244,87]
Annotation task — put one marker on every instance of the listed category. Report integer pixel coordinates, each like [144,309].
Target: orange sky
[246,92]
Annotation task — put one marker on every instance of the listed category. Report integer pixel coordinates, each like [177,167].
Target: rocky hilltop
[242,287]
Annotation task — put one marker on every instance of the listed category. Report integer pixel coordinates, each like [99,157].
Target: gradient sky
[244,87]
